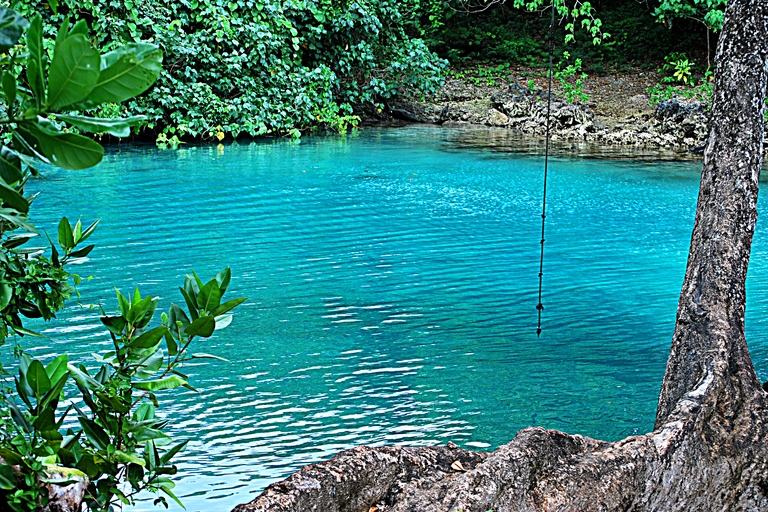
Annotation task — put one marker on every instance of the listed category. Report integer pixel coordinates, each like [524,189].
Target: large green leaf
[223,278]
[73,73]
[38,379]
[17,219]
[227,306]
[66,238]
[12,25]
[57,368]
[130,458]
[156,385]
[9,90]
[36,60]
[66,150]
[95,434]
[7,477]
[149,338]
[12,198]
[167,456]
[150,365]
[203,326]
[127,72]
[209,297]
[6,294]
[119,127]
[10,166]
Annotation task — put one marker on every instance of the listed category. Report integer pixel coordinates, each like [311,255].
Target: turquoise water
[391,281]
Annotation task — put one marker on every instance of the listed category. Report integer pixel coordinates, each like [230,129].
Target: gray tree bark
[708,450]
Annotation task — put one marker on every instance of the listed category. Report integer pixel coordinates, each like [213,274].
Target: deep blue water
[391,281]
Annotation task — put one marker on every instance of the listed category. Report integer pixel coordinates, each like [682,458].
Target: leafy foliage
[709,12]
[258,67]
[571,81]
[118,445]
[500,34]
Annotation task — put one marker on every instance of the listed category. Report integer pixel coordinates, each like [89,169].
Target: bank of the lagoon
[392,277]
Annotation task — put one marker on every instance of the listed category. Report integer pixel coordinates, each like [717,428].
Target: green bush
[261,66]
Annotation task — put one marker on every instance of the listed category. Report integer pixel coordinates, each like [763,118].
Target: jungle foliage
[502,33]
[260,66]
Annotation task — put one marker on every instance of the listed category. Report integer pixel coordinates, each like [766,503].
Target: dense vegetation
[273,66]
[263,66]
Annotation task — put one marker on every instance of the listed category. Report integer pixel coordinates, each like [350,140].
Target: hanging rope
[551,39]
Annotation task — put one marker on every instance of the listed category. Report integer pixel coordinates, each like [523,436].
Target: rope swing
[540,306]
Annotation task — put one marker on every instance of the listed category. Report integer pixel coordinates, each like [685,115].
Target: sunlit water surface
[391,281]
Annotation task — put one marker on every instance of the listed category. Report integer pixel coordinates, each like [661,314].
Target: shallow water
[391,281]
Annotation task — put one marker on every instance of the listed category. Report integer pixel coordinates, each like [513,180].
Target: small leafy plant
[680,67]
[571,79]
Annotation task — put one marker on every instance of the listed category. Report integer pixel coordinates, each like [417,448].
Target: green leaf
[26,332]
[126,72]
[38,379]
[18,219]
[45,421]
[191,304]
[73,73]
[156,385]
[152,434]
[176,314]
[115,324]
[10,166]
[125,458]
[150,365]
[7,477]
[89,231]
[6,294]
[54,394]
[125,306]
[144,412]
[173,348]
[167,456]
[57,368]
[223,321]
[13,199]
[12,25]
[19,418]
[62,33]
[82,253]
[167,490]
[66,150]
[82,378]
[36,60]
[66,238]
[203,326]
[223,278]
[95,434]
[227,306]
[138,309]
[9,89]
[149,338]
[209,356]
[209,297]
[119,127]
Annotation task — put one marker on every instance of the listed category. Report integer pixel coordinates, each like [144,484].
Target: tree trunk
[708,451]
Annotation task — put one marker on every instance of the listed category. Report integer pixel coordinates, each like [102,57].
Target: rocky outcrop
[676,122]
[365,479]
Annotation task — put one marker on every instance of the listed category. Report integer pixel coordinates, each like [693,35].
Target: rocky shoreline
[675,123]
